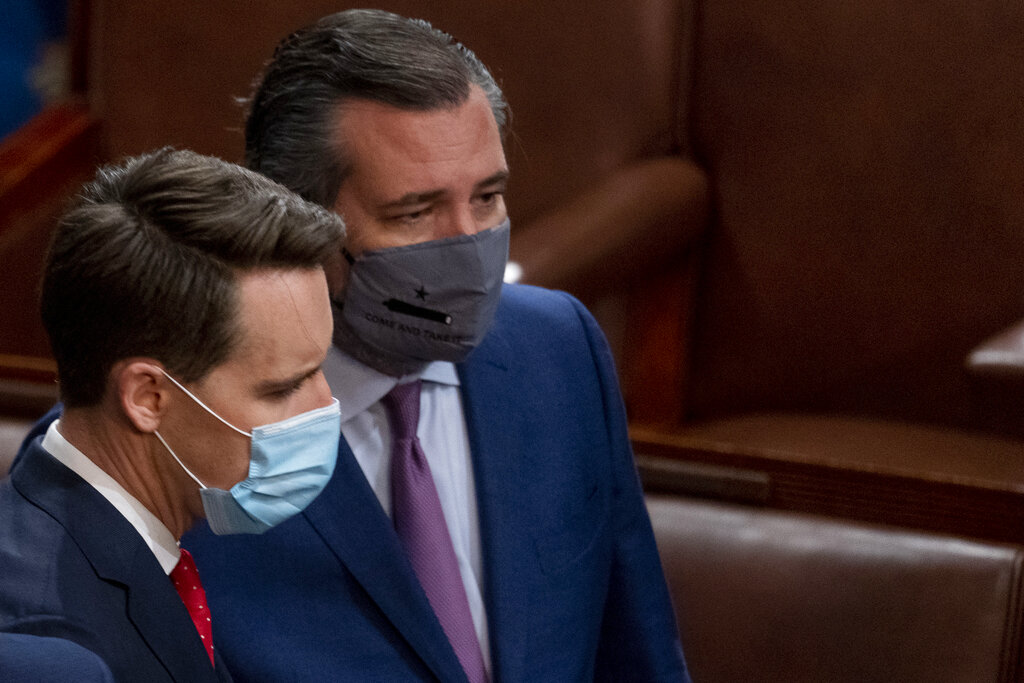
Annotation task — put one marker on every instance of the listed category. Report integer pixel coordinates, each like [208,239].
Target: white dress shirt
[156,535]
[442,433]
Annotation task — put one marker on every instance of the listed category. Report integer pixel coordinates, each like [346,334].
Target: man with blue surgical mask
[189,316]
[484,521]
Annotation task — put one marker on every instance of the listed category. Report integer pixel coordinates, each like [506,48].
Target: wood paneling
[41,166]
[953,493]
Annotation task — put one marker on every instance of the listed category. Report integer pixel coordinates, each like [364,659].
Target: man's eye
[285,392]
[412,216]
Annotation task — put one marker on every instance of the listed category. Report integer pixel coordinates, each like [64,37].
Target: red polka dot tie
[186,580]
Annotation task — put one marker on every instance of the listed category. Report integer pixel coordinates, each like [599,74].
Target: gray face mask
[404,307]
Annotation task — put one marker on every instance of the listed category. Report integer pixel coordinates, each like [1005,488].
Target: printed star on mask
[421,293]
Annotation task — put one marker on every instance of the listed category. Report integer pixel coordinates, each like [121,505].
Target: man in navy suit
[185,303]
[400,130]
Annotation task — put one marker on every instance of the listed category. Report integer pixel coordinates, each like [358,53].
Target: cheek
[234,462]
[336,272]
[337,278]
[360,226]
[227,459]
[378,235]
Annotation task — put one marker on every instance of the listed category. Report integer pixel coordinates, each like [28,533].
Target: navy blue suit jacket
[72,567]
[573,584]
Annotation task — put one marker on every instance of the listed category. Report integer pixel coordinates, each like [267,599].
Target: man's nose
[321,391]
[462,221]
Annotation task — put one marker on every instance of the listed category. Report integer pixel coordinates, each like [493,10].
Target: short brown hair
[145,264]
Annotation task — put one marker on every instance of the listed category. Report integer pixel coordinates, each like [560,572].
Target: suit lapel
[221,669]
[350,519]
[119,555]
[491,389]
[162,619]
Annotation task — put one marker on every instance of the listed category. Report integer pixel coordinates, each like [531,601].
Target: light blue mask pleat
[291,463]
[225,516]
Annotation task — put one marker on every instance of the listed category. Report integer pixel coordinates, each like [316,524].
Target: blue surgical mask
[290,463]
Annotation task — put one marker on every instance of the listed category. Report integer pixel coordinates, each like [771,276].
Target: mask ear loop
[207,409]
[204,406]
[178,460]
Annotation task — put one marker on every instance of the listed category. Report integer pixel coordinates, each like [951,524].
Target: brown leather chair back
[770,596]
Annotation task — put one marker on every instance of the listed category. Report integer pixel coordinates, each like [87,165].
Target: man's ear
[141,390]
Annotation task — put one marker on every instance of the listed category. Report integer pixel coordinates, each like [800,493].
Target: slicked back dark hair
[355,54]
[145,264]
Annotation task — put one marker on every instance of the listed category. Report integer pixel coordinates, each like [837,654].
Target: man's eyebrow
[499,178]
[274,385]
[413,198]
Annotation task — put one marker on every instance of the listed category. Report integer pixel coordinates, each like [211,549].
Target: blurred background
[809,209]
[800,223]
[33,59]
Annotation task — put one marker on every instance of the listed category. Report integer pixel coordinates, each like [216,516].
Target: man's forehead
[365,130]
[283,318]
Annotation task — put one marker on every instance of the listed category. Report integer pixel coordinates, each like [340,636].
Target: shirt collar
[154,532]
[358,386]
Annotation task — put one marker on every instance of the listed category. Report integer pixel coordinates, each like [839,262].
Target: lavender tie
[420,524]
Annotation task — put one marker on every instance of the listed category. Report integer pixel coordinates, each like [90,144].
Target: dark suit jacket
[71,566]
[573,584]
